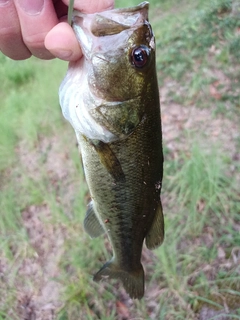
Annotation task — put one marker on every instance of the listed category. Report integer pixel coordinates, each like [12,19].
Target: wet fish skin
[124,166]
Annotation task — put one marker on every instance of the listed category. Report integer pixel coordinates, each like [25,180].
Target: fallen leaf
[122,310]
[214,92]
[221,253]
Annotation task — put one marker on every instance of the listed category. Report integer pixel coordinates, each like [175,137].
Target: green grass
[194,43]
[43,192]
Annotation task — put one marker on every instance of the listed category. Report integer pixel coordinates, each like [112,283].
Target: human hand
[39,28]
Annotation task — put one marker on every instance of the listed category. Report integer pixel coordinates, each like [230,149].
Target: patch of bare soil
[208,313]
[177,120]
[51,158]
[40,301]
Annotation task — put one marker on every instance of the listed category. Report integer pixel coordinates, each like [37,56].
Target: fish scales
[122,158]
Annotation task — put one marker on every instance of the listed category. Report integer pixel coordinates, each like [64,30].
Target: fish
[111,98]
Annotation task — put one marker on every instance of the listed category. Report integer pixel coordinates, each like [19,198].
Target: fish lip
[140,6]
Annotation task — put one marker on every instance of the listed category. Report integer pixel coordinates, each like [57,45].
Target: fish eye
[140,56]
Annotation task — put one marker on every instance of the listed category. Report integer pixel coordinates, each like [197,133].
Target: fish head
[119,51]
[106,93]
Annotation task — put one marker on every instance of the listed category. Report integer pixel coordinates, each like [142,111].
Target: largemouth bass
[111,98]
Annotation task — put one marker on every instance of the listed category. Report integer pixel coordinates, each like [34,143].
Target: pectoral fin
[109,160]
[91,223]
[155,235]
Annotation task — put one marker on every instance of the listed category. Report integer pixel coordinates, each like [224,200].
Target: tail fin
[133,281]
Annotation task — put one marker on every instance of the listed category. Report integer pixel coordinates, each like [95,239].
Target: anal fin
[91,223]
[155,235]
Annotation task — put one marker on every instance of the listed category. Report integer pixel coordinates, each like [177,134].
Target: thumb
[62,42]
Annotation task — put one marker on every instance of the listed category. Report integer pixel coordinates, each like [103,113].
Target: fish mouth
[123,16]
[89,27]
[121,19]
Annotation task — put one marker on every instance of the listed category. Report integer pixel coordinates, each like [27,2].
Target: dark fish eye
[140,56]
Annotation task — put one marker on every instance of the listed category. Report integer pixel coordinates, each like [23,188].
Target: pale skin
[39,28]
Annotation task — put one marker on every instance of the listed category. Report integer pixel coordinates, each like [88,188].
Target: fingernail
[31,7]
[63,54]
